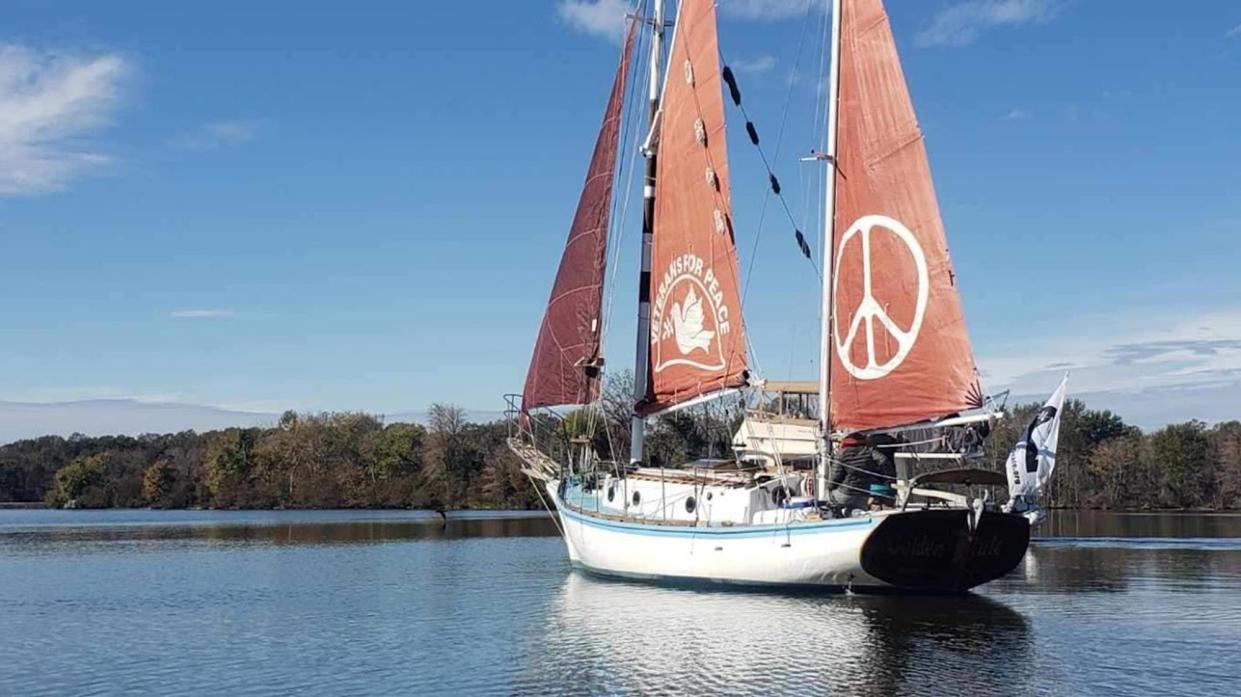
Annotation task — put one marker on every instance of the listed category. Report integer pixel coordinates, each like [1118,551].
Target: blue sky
[360,206]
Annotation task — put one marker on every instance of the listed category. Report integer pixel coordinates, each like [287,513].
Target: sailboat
[894,353]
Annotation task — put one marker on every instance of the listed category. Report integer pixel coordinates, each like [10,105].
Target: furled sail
[901,350]
[697,338]
[566,364]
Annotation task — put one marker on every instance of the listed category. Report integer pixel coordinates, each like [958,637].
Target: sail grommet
[689,73]
[700,132]
[712,180]
[721,226]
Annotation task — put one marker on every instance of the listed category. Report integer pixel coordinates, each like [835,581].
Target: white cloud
[49,102]
[767,10]
[199,313]
[753,66]
[215,134]
[960,24]
[1171,369]
[1017,115]
[1189,350]
[601,18]
[1235,31]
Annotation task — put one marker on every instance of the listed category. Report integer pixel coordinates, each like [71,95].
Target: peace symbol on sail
[870,318]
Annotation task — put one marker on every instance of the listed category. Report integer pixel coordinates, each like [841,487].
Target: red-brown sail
[901,351]
[566,362]
[697,338]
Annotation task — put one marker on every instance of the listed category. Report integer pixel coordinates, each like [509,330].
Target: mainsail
[901,353]
[697,338]
[566,364]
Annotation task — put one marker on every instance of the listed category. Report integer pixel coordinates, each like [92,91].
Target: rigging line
[628,130]
[788,98]
[762,215]
[855,468]
[539,490]
[773,186]
[630,125]
[818,134]
[866,491]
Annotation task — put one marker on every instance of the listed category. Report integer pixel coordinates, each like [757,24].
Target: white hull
[825,553]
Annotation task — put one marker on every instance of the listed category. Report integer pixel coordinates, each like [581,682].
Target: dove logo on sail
[689,316]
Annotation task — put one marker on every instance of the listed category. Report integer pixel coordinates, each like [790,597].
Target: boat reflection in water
[611,637]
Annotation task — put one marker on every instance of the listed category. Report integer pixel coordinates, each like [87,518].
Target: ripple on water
[490,607]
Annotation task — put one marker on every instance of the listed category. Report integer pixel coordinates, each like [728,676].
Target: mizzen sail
[565,368]
[697,338]
[901,353]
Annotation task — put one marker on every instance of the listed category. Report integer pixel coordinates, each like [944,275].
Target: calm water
[395,602]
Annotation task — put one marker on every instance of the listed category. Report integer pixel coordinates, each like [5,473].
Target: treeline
[1102,462]
[343,460]
[354,460]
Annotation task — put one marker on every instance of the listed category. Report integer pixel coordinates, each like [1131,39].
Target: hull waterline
[886,551]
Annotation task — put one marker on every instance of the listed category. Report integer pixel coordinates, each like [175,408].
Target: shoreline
[482,512]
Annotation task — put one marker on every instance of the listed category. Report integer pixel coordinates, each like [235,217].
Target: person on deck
[861,461]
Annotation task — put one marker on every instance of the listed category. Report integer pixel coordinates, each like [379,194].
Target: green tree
[229,461]
[83,483]
[1182,453]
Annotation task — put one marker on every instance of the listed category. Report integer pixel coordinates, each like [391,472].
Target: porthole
[611,492]
[690,504]
[637,498]
[709,496]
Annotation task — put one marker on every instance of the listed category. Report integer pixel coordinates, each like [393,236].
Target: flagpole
[826,336]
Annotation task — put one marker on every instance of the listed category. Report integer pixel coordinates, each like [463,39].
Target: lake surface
[360,603]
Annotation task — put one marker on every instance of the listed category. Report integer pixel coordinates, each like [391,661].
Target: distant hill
[100,417]
[1149,408]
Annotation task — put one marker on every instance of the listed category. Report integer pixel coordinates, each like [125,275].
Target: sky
[331,206]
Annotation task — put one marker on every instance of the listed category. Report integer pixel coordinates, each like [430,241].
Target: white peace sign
[869,309]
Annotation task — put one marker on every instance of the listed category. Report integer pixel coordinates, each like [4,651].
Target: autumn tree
[1226,446]
[445,472]
[159,484]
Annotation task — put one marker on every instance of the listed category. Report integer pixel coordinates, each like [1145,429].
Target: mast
[829,251]
[641,374]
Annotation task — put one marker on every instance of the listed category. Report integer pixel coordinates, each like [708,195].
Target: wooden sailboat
[894,352]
